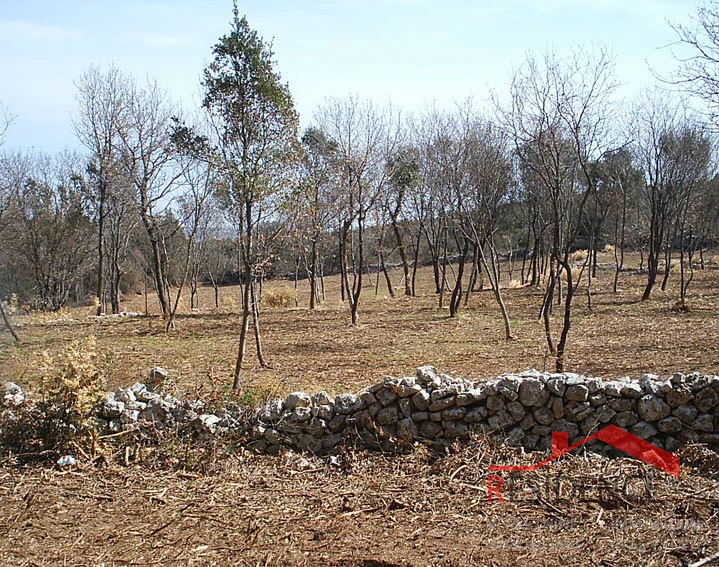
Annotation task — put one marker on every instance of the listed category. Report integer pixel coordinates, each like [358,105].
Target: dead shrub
[280,297]
[64,418]
[579,256]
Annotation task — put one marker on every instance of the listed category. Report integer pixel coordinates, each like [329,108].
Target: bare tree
[365,136]
[558,119]
[149,160]
[315,200]
[674,156]
[102,97]
[8,194]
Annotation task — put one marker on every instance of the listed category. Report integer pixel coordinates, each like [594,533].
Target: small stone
[632,390]
[300,414]
[453,414]
[578,411]
[558,408]
[273,436]
[337,423]
[670,424]
[704,422]
[567,426]
[671,444]
[129,416]
[532,393]
[348,403]
[706,399]
[386,396]
[651,408]
[455,430]
[501,420]
[374,408]
[541,430]
[597,399]
[427,375]
[430,429]
[421,400]
[316,427]
[620,404]
[321,398]
[687,413]
[112,408]
[625,419]
[11,395]
[516,410]
[577,393]
[643,430]
[66,461]
[158,379]
[407,429]
[711,439]
[678,396]
[557,386]
[206,423]
[387,415]
[543,416]
[408,390]
[435,416]
[368,397]
[125,396]
[475,415]
[405,406]
[297,400]
[309,443]
[507,392]
[527,422]
[442,404]
[605,414]
[420,416]
[495,403]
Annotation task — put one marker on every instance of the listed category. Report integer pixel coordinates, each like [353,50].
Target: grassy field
[321,350]
[366,509]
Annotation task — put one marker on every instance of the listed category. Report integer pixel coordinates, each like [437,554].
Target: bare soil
[231,507]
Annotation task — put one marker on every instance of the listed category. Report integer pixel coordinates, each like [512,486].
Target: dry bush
[281,297]
[715,260]
[514,284]
[608,249]
[73,384]
[579,256]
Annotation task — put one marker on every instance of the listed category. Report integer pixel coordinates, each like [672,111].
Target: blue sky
[415,52]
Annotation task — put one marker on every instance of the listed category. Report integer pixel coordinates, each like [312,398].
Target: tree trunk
[456,298]
[403,257]
[8,324]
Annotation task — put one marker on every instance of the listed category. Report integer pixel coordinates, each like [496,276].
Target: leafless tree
[102,96]
[674,155]
[365,136]
[8,194]
[558,117]
[149,160]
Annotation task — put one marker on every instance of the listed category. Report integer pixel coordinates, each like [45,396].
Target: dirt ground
[368,509]
[362,510]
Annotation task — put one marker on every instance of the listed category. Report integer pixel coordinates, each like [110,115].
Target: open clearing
[366,508]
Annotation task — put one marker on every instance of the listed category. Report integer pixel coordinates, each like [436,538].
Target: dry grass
[280,297]
[369,509]
[320,350]
[362,510]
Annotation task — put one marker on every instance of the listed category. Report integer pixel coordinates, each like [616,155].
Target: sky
[413,52]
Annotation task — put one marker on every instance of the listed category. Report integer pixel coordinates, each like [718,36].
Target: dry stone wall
[524,408]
